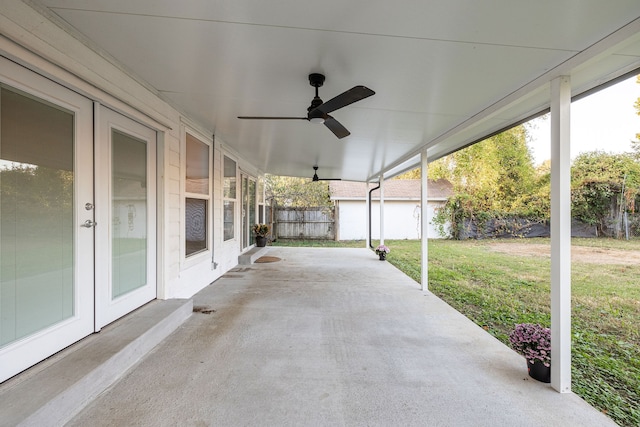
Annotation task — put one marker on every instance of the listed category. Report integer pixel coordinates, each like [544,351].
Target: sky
[605,121]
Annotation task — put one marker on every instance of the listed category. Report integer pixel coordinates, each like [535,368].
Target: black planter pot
[383,256]
[261,241]
[539,372]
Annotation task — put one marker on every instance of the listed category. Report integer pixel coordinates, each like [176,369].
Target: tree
[495,175]
[36,192]
[412,174]
[494,180]
[636,144]
[289,191]
[603,187]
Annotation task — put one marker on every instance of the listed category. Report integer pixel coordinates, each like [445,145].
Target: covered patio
[330,337]
[208,84]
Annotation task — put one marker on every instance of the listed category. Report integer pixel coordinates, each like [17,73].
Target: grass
[497,290]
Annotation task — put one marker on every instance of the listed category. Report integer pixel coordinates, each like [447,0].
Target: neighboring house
[401,208]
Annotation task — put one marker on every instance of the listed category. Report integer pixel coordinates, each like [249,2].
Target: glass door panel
[36,219]
[252,209]
[245,211]
[129,209]
[248,209]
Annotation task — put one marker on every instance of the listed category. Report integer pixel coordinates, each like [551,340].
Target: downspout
[371,191]
[214,264]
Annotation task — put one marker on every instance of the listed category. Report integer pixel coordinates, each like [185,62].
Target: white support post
[424,222]
[367,239]
[560,235]
[382,209]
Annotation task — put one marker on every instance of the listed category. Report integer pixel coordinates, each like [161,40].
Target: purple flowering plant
[533,341]
[382,248]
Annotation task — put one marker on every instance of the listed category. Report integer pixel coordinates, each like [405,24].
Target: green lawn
[497,290]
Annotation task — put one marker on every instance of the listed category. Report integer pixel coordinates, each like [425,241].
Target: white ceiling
[445,72]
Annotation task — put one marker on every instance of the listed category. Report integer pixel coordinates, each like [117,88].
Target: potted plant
[382,252]
[261,231]
[533,341]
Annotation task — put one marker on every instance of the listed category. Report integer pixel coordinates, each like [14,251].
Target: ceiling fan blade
[326,179]
[354,94]
[335,127]
[316,179]
[272,118]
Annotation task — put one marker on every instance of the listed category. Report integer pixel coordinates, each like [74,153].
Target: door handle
[88,224]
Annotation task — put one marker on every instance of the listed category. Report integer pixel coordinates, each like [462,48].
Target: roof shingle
[394,189]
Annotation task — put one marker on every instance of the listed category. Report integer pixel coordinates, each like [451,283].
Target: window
[229,198]
[248,206]
[261,216]
[197,196]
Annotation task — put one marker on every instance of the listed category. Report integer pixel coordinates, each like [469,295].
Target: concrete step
[52,392]
[252,255]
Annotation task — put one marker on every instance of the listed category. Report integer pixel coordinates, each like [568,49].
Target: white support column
[382,209]
[424,222]
[560,235]
[367,239]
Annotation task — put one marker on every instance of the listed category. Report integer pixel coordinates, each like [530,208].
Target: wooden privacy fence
[304,223]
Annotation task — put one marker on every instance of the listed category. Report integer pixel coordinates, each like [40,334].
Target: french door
[46,218]
[77,217]
[248,190]
[126,228]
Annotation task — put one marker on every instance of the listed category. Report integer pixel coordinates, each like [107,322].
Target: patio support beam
[382,209]
[424,222]
[560,235]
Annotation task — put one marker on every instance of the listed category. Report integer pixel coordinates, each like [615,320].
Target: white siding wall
[402,219]
[173,220]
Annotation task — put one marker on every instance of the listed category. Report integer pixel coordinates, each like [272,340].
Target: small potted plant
[382,252]
[261,231]
[533,341]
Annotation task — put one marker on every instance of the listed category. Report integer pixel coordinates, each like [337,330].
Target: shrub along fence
[504,228]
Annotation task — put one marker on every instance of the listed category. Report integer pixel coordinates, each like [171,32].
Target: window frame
[260,202]
[207,196]
[247,198]
[228,199]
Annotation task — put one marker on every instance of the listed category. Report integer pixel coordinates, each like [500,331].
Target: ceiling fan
[315,176]
[318,111]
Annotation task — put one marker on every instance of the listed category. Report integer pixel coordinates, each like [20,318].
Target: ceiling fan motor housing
[316,79]
[313,114]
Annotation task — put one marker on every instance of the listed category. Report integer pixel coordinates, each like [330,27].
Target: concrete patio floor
[330,337]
